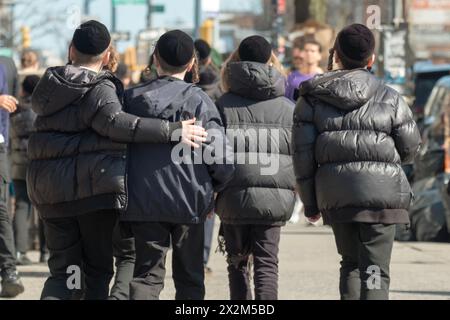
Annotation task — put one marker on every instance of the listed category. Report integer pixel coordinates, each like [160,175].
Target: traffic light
[26,37]
[130,58]
[207,31]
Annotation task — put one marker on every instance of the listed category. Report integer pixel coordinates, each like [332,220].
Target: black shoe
[23,260]
[44,257]
[11,284]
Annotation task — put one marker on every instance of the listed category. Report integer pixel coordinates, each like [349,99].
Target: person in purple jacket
[11,284]
[306,57]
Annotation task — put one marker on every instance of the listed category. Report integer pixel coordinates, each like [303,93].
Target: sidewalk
[309,268]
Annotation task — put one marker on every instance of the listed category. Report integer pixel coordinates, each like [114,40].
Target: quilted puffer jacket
[351,135]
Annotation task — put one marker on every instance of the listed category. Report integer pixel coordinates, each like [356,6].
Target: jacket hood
[343,89]
[165,100]
[61,86]
[255,80]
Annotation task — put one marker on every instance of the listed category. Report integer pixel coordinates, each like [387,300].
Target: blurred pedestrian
[22,121]
[123,74]
[256,203]
[351,135]
[11,283]
[209,74]
[78,162]
[12,76]
[169,198]
[29,62]
[306,57]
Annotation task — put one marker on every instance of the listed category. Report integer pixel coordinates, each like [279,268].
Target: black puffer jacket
[21,127]
[258,118]
[351,135]
[78,156]
[162,186]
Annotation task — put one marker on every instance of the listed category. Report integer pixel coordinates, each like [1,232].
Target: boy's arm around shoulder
[111,121]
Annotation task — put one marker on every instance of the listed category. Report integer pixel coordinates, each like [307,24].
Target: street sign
[121,36]
[150,34]
[119,2]
[159,8]
[6,52]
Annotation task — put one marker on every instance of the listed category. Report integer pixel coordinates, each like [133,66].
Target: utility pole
[197,18]
[113,16]
[149,14]
[11,26]
[87,7]
[278,9]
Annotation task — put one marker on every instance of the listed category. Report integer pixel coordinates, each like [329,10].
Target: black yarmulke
[91,38]
[356,42]
[255,48]
[29,83]
[176,48]
[203,49]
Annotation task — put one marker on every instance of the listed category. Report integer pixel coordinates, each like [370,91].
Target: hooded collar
[62,86]
[346,90]
[255,80]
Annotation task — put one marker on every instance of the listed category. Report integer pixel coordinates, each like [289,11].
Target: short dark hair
[346,63]
[299,42]
[351,64]
[313,42]
[167,67]
[174,69]
[29,83]
[83,58]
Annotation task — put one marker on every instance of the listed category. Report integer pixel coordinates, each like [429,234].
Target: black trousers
[152,241]
[125,256]
[83,242]
[366,255]
[7,249]
[260,242]
[22,216]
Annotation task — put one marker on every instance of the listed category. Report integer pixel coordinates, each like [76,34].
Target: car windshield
[424,85]
[434,103]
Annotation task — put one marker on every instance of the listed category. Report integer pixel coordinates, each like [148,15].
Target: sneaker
[23,260]
[11,284]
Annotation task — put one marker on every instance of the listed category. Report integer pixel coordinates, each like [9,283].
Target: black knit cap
[255,48]
[176,48]
[91,38]
[355,42]
[29,83]
[203,49]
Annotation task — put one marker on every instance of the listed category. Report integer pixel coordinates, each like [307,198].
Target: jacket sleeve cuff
[173,126]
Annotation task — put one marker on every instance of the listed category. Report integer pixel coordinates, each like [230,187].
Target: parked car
[425,76]
[430,211]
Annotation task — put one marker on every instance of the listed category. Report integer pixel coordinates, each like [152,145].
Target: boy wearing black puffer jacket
[260,198]
[351,135]
[78,162]
[171,190]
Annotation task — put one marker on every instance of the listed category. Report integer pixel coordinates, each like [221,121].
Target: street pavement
[309,269]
